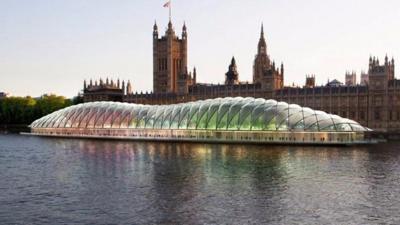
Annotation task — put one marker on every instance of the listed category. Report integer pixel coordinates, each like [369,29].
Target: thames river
[72,181]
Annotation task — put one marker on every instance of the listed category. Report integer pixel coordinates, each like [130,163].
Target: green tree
[24,110]
[50,103]
[17,110]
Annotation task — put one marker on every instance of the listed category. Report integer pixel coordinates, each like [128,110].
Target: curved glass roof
[213,114]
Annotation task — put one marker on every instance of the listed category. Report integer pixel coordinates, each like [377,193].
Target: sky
[51,46]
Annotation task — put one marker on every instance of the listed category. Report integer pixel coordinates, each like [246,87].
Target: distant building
[232,76]
[265,73]
[310,81]
[374,103]
[334,83]
[105,91]
[170,70]
[3,95]
[351,79]
[364,78]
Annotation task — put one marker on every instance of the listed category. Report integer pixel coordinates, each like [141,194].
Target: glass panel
[184,116]
[256,116]
[326,125]
[175,116]
[82,112]
[244,122]
[61,118]
[154,117]
[142,116]
[282,115]
[202,117]
[68,116]
[262,115]
[357,127]
[337,120]
[96,115]
[35,123]
[40,121]
[126,117]
[212,114]
[117,117]
[166,121]
[72,116]
[104,112]
[49,120]
[295,116]
[233,113]
[134,116]
[54,117]
[193,114]
[109,117]
[87,116]
[257,121]
[343,127]
[44,121]
[310,120]
[160,116]
[222,117]
[299,126]
[268,121]
[324,119]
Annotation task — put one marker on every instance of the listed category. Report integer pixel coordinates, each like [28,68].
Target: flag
[167,4]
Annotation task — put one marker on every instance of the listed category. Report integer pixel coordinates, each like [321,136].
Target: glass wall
[243,114]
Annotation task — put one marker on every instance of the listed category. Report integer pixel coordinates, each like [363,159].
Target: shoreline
[377,135]
[13,128]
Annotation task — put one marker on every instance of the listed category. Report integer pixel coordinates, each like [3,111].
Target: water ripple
[67,181]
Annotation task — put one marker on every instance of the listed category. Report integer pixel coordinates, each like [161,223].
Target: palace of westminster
[374,103]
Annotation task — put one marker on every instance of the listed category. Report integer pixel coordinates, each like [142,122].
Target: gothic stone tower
[169,59]
[265,72]
[378,88]
[232,76]
[310,81]
[380,75]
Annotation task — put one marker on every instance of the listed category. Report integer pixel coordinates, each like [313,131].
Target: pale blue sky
[51,46]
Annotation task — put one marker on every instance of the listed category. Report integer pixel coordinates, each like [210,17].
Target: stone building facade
[350,79]
[374,103]
[105,91]
[170,71]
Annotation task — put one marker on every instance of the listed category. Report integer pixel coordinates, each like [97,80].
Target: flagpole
[170,6]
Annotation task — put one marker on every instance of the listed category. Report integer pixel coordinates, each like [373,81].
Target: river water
[72,181]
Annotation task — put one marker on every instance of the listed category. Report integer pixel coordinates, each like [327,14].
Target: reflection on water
[90,181]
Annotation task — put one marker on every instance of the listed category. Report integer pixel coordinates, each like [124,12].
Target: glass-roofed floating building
[237,120]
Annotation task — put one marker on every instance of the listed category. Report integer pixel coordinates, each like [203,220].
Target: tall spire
[155,27]
[233,61]
[262,45]
[262,31]
[194,75]
[232,76]
[155,30]
[170,29]
[184,31]
[129,88]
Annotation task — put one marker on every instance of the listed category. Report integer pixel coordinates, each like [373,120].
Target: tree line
[25,110]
